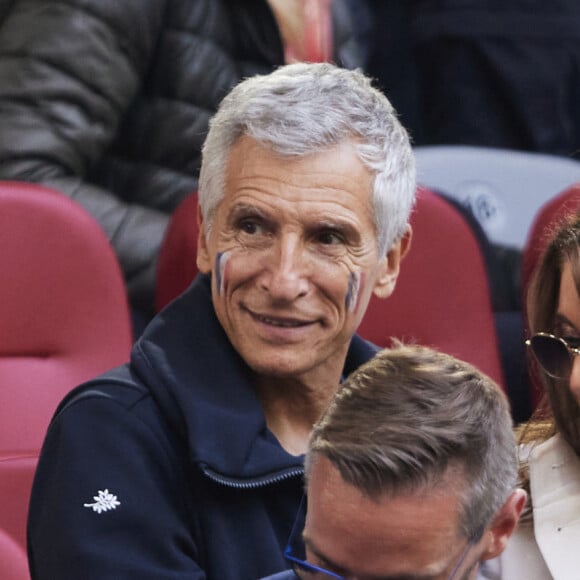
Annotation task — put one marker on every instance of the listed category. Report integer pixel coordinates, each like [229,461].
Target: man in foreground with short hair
[411,474]
[187,463]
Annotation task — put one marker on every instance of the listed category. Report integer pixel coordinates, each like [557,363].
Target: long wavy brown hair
[559,411]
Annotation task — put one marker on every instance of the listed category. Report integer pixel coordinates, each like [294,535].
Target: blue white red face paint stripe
[221,263]
[353,290]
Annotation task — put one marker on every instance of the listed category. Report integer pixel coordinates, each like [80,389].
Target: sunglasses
[554,354]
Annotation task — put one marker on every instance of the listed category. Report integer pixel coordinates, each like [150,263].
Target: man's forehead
[249,159]
[415,533]
[406,515]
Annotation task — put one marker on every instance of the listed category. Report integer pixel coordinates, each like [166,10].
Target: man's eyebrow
[245,208]
[333,223]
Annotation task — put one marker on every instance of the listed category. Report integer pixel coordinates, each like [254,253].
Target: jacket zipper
[253,483]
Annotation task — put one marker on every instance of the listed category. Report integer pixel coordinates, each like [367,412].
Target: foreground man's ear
[505,523]
[391,263]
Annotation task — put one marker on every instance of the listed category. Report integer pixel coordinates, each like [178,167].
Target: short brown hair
[401,420]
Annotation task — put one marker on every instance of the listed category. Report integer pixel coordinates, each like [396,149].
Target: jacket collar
[204,390]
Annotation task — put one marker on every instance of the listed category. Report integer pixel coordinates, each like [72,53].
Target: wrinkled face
[414,536]
[567,323]
[293,256]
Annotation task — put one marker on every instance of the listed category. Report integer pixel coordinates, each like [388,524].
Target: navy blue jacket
[164,468]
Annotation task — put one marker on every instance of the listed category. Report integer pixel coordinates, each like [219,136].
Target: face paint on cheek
[221,263]
[355,283]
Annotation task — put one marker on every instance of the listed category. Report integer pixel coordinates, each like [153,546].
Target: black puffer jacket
[109,102]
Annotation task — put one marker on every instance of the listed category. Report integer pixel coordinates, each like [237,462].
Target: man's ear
[390,265]
[203,260]
[504,524]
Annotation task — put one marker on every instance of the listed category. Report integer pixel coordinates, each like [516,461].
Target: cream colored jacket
[550,547]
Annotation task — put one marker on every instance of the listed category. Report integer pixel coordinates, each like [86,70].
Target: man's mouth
[280,322]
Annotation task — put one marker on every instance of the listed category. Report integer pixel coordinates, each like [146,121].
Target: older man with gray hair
[187,462]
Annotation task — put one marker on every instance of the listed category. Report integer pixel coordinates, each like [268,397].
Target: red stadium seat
[13,564]
[542,228]
[176,267]
[442,298]
[64,318]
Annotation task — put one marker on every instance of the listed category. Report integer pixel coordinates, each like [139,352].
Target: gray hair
[302,109]
[402,420]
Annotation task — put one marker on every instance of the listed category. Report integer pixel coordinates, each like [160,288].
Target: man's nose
[286,276]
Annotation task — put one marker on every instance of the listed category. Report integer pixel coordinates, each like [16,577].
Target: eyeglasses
[554,354]
[295,553]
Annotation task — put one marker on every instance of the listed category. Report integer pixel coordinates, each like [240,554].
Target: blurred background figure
[483,72]
[109,102]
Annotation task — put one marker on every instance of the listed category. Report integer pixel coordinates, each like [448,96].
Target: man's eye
[329,238]
[250,227]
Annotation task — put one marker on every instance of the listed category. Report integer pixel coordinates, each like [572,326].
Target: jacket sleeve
[108,499]
[68,72]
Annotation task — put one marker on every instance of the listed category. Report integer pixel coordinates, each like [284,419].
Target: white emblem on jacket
[104,502]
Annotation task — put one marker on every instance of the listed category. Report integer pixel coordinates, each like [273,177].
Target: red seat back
[64,318]
[16,475]
[176,266]
[541,230]
[13,563]
[442,298]
[63,309]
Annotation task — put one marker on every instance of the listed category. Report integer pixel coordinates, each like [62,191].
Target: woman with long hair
[547,544]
